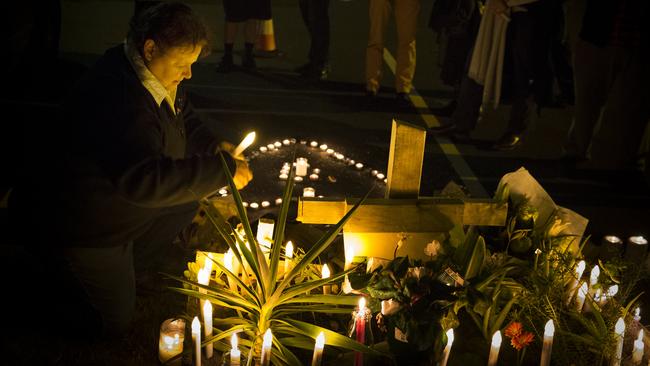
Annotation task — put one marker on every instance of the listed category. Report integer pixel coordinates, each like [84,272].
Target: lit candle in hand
[494,348]
[207,327]
[325,273]
[318,350]
[235,353]
[196,339]
[266,348]
[244,144]
[575,282]
[288,256]
[637,353]
[549,331]
[619,329]
[450,341]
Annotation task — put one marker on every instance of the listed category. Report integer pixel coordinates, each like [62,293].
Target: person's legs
[320,41]
[233,17]
[378,11]
[251,34]
[406,18]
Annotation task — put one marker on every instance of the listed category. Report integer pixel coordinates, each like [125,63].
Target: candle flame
[612,291]
[234,341]
[619,328]
[196,325]
[268,339]
[325,271]
[496,339]
[450,336]
[207,309]
[320,340]
[593,277]
[288,250]
[549,328]
[362,304]
[580,268]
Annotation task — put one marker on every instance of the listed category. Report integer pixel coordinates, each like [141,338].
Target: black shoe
[303,68]
[403,100]
[248,62]
[445,111]
[507,142]
[444,129]
[226,65]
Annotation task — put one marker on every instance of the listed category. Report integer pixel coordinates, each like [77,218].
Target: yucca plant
[271,301]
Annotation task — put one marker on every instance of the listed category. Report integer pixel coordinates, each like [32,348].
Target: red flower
[522,340]
[513,329]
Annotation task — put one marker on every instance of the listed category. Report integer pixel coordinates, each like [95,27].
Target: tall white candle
[447,351]
[619,329]
[582,294]
[575,282]
[325,273]
[207,327]
[318,350]
[494,348]
[593,279]
[288,256]
[547,348]
[203,278]
[228,258]
[637,353]
[349,256]
[196,339]
[245,143]
[235,353]
[266,348]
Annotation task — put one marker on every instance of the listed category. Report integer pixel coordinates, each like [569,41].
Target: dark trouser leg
[470,98]
[315,14]
[522,37]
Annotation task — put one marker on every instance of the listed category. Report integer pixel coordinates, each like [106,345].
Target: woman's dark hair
[169,24]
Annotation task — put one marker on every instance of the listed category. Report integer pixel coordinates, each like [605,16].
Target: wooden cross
[402,216]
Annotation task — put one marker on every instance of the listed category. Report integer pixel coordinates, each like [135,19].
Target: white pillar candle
[203,278]
[325,273]
[494,348]
[349,256]
[288,256]
[619,329]
[245,143]
[447,351]
[593,277]
[547,348]
[266,348]
[575,282]
[301,167]
[318,350]
[580,298]
[196,340]
[637,353]
[228,262]
[207,327]
[235,353]
[309,192]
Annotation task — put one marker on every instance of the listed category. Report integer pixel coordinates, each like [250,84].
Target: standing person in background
[612,74]
[248,13]
[315,14]
[406,18]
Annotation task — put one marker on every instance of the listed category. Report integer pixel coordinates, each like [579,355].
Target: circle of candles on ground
[264,149]
[318,350]
[309,192]
[298,179]
[619,329]
[637,352]
[450,341]
[313,177]
[196,340]
[316,171]
[170,344]
[277,144]
[286,142]
[494,348]
[380,176]
[330,151]
[358,165]
[245,204]
[278,201]
[313,144]
[549,331]
[270,147]
[254,205]
[266,348]
[283,176]
[235,353]
[323,147]
[374,173]
[266,203]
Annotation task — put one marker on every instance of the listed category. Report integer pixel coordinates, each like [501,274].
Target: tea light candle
[283,176]
[271,147]
[298,179]
[223,191]
[351,162]
[278,201]
[244,144]
[266,348]
[235,353]
[309,192]
[318,350]
[612,246]
[313,144]
[313,177]
[380,176]
[494,348]
[254,205]
[316,171]
[325,273]
[286,142]
[323,147]
[170,343]
[301,167]
[245,204]
[374,173]
[266,203]
[288,256]
[549,331]
[207,327]
[358,165]
[450,341]
[339,156]
[330,151]
[264,149]
[277,144]
[619,329]
[196,340]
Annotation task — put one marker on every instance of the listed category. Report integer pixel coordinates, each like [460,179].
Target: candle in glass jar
[325,273]
[619,329]
[494,348]
[207,327]
[447,351]
[309,192]
[266,348]
[196,340]
[170,343]
[636,249]
[235,353]
[547,348]
[318,350]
